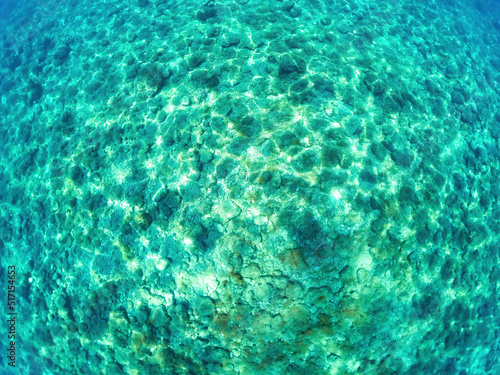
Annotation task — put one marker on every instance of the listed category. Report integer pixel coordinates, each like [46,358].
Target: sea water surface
[251,187]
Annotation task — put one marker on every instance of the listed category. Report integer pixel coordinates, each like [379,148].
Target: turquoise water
[251,187]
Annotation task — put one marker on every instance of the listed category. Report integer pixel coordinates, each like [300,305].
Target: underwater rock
[251,187]
[35,91]
[206,13]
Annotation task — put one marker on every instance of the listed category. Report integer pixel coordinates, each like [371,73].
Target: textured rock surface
[252,187]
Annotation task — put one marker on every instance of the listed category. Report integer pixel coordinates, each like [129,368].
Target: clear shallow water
[251,187]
